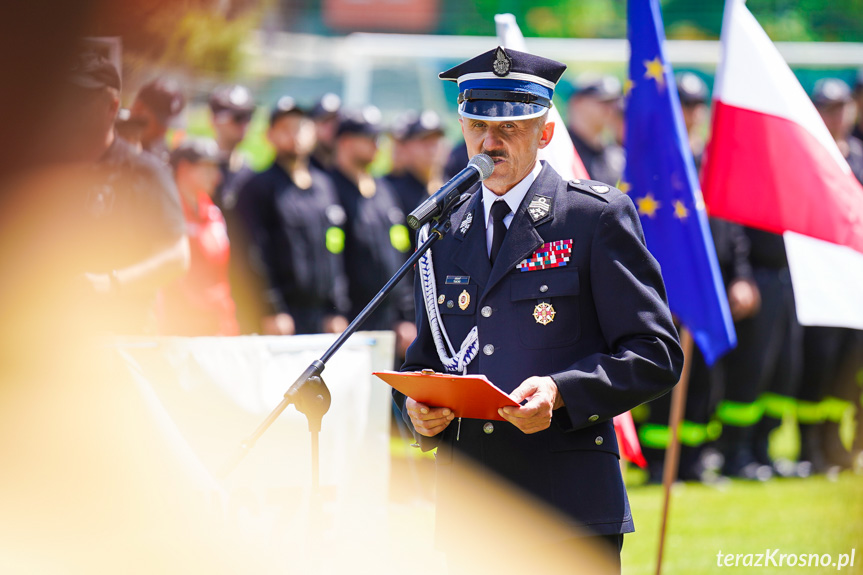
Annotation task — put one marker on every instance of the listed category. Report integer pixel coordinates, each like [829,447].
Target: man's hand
[406,333]
[428,421]
[744,299]
[279,324]
[335,324]
[542,398]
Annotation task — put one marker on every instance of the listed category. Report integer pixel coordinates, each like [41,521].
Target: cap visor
[497,111]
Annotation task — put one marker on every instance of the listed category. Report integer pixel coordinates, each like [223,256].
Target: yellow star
[647,205]
[680,211]
[628,85]
[656,70]
[624,186]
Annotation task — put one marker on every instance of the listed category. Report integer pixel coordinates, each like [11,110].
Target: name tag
[457,280]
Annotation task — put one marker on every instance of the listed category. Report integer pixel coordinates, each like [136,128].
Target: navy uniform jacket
[611,346]
[299,237]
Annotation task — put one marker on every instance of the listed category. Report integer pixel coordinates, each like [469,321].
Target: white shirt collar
[513,197]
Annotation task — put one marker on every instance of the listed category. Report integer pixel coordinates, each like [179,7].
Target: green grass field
[813,515]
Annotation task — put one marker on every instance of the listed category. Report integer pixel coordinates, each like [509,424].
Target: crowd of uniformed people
[196,243]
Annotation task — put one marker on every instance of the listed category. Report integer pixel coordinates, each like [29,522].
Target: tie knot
[499,210]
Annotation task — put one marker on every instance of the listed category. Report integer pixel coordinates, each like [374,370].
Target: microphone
[479,168]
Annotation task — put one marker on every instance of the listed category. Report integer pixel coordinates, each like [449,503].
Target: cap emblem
[502,63]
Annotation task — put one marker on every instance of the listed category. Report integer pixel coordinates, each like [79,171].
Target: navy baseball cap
[164,97]
[285,106]
[603,88]
[196,150]
[327,107]
[691,89]
[830,91]
[91,70]
[412,125]
[363,122]
[235,98]
[505,85]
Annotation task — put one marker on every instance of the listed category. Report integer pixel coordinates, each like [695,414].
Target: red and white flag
[560,152]
[772,164]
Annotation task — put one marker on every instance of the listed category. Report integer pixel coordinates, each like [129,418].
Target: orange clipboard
[469,396]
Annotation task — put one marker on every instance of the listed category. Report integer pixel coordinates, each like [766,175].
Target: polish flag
[560,152]
[772,164]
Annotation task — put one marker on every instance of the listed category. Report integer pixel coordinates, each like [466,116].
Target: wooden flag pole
[672,452]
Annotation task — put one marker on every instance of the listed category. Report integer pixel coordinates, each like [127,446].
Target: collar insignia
[465,223]
[539,207]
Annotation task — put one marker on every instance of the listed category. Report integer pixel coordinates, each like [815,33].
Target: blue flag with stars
[661,179]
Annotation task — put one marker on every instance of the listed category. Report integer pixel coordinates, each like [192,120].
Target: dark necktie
[499,210]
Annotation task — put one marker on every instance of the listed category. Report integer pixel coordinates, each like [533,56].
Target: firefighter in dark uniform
[547,288]
[325,115]
[823,398]
[699,427]
[231,110]
[297,227]
[591,112]
[417,155]
[378,241]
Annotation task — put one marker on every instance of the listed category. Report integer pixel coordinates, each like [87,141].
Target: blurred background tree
[785,20]
[201,35]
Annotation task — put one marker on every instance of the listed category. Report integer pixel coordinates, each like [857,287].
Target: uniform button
[488,349]
[543,288]
[486,311]
[488,427]
[598,440]
[450,304]
[593,418]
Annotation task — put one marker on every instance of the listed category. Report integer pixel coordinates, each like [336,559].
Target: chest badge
[463,300]
[441,299]
[465,223]
[544,313]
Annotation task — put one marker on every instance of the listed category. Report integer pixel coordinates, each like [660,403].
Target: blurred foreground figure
[546,288]
[131,239]
[200,303]
[296,225]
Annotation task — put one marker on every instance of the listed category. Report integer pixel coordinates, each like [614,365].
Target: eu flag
[661,179]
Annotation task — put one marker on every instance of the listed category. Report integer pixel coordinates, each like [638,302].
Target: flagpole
[672,452]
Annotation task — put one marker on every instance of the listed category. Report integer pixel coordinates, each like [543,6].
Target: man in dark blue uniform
[296,224]
[545,287]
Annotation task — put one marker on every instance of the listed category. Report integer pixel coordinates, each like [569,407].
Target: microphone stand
[309,394]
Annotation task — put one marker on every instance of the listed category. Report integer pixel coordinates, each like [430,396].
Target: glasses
[241,117]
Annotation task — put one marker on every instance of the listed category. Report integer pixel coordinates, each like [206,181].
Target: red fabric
[200,302]
[628,439]
[770,173]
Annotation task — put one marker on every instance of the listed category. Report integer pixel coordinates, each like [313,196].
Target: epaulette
[600,190]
